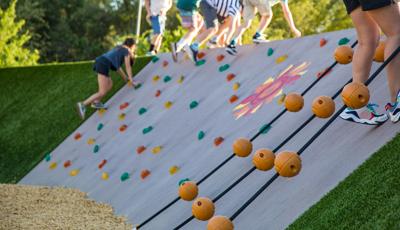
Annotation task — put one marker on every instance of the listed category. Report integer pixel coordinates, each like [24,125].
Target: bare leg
[157,44]
[205,35]
[264,22]
[105,84]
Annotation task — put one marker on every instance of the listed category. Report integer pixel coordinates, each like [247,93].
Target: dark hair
[129,42]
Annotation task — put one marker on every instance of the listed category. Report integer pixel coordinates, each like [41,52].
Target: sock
[151,47]
[180,44]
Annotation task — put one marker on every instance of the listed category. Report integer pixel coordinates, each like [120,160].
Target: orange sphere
[263,159]
[344,54]
[323,106]
[287,164]
[220,223]
[294,102]
[203,208]
[242,147]
[355,95]
[380,52]
[188,191]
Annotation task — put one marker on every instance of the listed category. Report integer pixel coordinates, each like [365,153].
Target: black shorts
[102,66]
[366,4]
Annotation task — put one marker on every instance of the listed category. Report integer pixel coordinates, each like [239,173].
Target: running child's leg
[105,85]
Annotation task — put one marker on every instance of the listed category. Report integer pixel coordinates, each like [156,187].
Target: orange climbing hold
[323,106]
[124,106]
[145,173]
[355,95]
[242,147]
[233,99]
[173,170]
[67,164]
[380,52]
[140,149]
[101,112]
[264,159]
[343,54]
[77,136]
[158,93]
[74,172]
[287,164]
[91,141]
[104,176]
[165,63]
[236,86]
[200,55]
[322,42]
[220,57]
[102,163]
[218,141]
[123,128]
[230,77]
[281,59]
[220,223]
[156,149]
[294,102]
[203,208]
[188,191]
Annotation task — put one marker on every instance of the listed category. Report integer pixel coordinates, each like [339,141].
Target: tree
[12,50]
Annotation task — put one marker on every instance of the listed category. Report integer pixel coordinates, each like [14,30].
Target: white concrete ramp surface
[292,67]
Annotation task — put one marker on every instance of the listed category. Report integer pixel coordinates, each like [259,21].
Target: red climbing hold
[322,42]
[218,141]
[103,162]
[230,77]
[201,55]
[165,64]
[220,57]
[67,164]
[140,149]
[233,99]
[123,128]
[77,136]
[145,173]
[124,106]
[158,93]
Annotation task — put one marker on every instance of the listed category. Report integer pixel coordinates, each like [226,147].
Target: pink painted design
[270,89]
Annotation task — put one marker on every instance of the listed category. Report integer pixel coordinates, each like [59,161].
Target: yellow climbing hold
[236,86]
[74,172]
[181,79]
[168,104]
[104,176]
[156,78]
[281,59]
[101,111]
[281,99]
[121,116]
[53,165]
[91,141]
[174,169]
[156,149]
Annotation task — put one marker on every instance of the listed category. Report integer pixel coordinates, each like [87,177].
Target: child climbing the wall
[264,7]
[191,20]
[369,17]
[157,16]
[112,60]
[216,13]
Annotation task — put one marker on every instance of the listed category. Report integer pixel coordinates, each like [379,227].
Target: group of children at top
[222,26]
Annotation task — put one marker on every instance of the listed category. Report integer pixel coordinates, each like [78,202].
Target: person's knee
[371,41]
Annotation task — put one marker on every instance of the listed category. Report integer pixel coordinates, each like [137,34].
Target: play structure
[227,142]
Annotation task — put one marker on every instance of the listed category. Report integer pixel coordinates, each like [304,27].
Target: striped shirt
[225,8]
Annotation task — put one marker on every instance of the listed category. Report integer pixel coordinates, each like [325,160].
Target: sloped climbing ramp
[182,122]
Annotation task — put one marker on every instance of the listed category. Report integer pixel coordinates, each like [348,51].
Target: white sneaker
[366,115]
[394,109]
[81,109]
[151,53]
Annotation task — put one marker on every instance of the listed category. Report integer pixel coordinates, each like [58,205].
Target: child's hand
[148,18]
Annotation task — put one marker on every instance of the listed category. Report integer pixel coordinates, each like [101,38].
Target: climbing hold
[174,169]
[101,111]
[343,41]
[265,129]
[156,78]
[230,77]
[138,85]
[142,111]
[104,176]
[287,164]
[220,223]
[200,55]
[155,59]
[168,104]
[147,130]
[167,79]
[102,163]
[47,157]
[145,173]
[343,54]
[122,128]
[323,106]
[281,59]
[124,106]
[200,135]
[183,181]
[96,149]
[380,52]
[270,52]
[203,208]
[355,95]
[201,62]
[67,164]
[181,79]
[188,191]
[121,117]
[236,86]
[218,141]
[158,93]
[165,63]
[281,99]
[124,176]
[156,149]
[53,165]
[222,68]
[74,172]
[264,159]
[100,126]
[140,149]
[193,104]
[294,102]
[242,147]
[77,136]
[233,99]
[91,141]
[220,57]
[322,42]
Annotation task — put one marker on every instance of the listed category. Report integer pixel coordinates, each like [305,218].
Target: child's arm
[147,5]
[289,18]
[122,74]
[128,67]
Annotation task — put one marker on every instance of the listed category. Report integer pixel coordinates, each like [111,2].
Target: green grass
[369,198]
[37,111]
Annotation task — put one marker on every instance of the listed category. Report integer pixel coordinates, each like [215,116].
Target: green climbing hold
[270,52]
[224,67]
[167,79]
[265,129]
[47,157]
[343,41]
[138,86]
[200,135]
[124,176]
[200,62]
[155,59]
[142,111]
[147,130]
[183,181]
[96,149]
[193,104]
[100,126]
